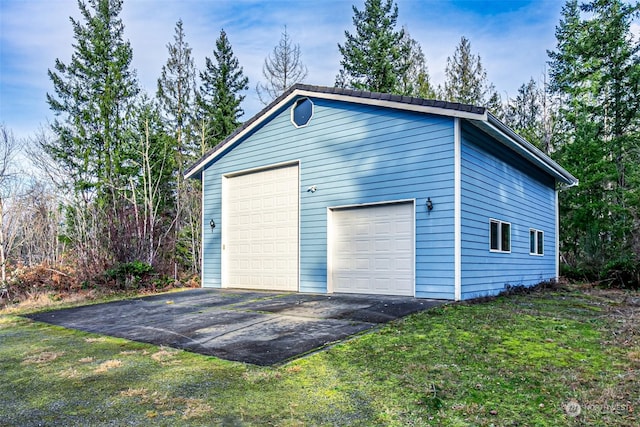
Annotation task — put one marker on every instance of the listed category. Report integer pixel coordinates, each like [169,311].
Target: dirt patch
[622,308]
[164,355]
[107,366]
[95,340]
[165,405]
[43,357]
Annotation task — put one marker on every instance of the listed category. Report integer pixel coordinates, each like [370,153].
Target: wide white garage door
[260,230]
[372,249]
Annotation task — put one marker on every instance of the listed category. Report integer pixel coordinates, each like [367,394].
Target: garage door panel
[362,264]
[260,231]
[382,245]
[373,249]
[383,265]
[404,264]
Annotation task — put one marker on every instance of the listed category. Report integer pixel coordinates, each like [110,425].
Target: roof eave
[398,105]
[515,142]
[195,170]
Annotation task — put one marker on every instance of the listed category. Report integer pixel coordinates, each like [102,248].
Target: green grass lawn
[551,358]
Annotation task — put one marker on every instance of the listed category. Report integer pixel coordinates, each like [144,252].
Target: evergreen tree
[176,97]
[373,58]
[93,95]
[596,70]
[466,80]
[533,114]
[564,66]
[282,69]
[219,97]
[415,81]
[93,101]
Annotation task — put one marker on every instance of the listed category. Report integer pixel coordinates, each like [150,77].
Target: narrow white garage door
[260,230]
[372,249]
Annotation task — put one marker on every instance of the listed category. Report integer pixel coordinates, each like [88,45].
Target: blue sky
[511,36]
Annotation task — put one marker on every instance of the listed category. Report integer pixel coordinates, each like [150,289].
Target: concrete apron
[262,328]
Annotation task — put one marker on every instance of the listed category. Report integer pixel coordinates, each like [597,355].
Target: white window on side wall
[536,242]
[499,236]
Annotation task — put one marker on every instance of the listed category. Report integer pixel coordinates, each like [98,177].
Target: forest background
[110,209]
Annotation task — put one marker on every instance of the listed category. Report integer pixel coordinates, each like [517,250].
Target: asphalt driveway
[262,328]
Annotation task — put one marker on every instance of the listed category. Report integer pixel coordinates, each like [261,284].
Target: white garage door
[372,249]
[260,230]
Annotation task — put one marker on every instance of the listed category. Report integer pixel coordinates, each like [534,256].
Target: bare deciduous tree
[7,178]
[282,69]
[146,196]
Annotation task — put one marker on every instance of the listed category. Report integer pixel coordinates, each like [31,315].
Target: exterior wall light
[429,204]
[212,224]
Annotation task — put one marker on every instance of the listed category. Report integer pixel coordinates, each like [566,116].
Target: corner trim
[202,231]
[457,209]
[557,243]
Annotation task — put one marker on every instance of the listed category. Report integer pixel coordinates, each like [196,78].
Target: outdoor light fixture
[212,223]
[312,189]
[429,204]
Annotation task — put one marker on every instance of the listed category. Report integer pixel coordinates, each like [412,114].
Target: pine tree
[533,114]
[219,96]
[93,101]
[466,79]
[176,97]
[415,81]
[282,69]
[373,58]
[596,71]
[93,95]
[564,66]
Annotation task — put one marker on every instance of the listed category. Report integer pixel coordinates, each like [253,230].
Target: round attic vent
[301,112]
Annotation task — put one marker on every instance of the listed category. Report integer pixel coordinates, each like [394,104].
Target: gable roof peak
[478,116]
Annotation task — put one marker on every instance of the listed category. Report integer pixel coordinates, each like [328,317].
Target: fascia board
[229,143]
[448,112]
[515,142]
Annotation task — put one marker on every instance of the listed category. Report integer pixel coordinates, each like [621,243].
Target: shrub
[28,281]
[623,273]
[129,274]
[618,273]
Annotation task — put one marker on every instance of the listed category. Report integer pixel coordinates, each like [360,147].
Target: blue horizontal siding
[211,242]
[496,184]
[354,154]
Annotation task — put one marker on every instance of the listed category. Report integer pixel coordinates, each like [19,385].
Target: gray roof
[384,97]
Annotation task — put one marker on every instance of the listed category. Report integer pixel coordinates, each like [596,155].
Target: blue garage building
[335,190]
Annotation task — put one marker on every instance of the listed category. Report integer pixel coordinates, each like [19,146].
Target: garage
[371,249]
[260,229]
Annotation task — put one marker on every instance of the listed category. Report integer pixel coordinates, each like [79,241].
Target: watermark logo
[572,408]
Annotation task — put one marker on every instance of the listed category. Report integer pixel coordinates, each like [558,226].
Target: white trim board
[457,210]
